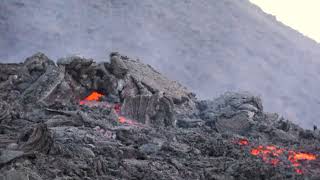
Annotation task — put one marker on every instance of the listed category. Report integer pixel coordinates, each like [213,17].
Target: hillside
[209,46]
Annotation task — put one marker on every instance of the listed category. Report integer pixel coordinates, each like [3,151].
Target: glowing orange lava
[125,120]
[93,100]
[295,157]
[122,119]
[117,108]
[243,142]
[271,154]
[304,156]
[94,96]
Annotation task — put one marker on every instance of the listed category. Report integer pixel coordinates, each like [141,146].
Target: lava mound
[79,119]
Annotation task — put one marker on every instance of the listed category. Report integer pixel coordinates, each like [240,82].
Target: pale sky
[301,15]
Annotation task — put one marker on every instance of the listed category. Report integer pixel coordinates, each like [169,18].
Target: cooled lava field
[79,119]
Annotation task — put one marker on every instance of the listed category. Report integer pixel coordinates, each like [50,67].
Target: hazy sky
[301,15]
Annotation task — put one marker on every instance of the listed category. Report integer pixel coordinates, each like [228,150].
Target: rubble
[78,119]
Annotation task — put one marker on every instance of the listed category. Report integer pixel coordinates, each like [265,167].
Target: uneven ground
[209,46]
[78,119]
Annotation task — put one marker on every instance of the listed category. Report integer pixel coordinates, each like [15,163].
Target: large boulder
[231,112]
[37,139]
[38,64]
[156,110]
[156,82]
[118,67]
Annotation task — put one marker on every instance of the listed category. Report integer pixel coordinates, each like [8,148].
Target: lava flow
[271,154]
[122,119]
[243,142]
[295,157]
[94,96]
[94,100]
[125,120]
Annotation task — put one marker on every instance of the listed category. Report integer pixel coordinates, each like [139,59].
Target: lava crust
[79,119]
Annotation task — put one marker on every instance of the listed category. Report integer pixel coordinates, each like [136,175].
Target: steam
[209,46]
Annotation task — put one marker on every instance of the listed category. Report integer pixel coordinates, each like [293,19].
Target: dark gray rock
[189,123]
[155,110]
[38,64]
[149,148]
[118,67]
[4,112]
[238,124]
[14,175]
[81,69]
[232,112]
[7,156]
[37,139]
[44,85]
[154,82]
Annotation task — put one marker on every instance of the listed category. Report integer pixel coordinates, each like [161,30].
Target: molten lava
[93,100]
[125,120]
[304,156]
[117,108]
[122,119]
[295,157]
[271,154]
[94,96]
[243,142]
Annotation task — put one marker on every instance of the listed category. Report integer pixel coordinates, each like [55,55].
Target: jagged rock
[118,67]
[307,134]
[5,140]
[88,153]
[7,70]
[44,85]
[149,148]
[7,156]
[231,103]
[14,175]
[38,64]
[282,136]
[232,112]
[4,112]
[239,124]
[38,139]
[74,64]
[189,123]
[81,69]
[134,87]
[60,120]
[152,110]
[155,82]
[100,166]
[180,149]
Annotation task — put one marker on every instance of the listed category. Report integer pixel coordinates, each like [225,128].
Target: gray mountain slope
[209,46]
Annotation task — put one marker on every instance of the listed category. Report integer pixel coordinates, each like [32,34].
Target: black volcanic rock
[66,124]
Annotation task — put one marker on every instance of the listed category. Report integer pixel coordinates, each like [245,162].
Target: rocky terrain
[231,45]
[121,119]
